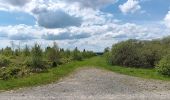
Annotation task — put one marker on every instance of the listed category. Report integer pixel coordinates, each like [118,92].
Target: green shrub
[4,61]
[27,62]
[135,53]
[66,60]
[163,66]
[108,57]
[152,52]
[4,74]
[37,64]
[14,71]
[126,54]
[34,64]
[24,71]
[53,55]
[10,72]
[26,51]
[87,54]
[77,55]
[8,51]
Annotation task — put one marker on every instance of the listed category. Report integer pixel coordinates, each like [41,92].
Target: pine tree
[26,51]
[53,55]
[37,58]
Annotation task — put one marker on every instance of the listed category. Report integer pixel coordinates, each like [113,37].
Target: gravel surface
[94,84]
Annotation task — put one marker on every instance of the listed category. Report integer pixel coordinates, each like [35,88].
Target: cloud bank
[130,6]
[56,19]
[167,19]
[92,3]
[79,23]
[16,2]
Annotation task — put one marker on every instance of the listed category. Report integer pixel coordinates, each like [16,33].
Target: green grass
[137,72]
[55,74]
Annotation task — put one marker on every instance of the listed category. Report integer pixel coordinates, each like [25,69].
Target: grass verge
[57,73]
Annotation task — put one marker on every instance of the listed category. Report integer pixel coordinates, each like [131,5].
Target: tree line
[141,54]
[16,63]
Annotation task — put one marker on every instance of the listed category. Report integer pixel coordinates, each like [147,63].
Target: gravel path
[94,84]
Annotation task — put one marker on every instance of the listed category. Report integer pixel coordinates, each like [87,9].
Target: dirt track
[94,84]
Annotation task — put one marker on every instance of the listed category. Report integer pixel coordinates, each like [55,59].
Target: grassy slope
[55,74]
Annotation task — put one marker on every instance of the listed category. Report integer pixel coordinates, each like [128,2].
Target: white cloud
[62,14]
[93,37]
[77,23]
[17,2]
[130,6]
[20,32]
[56,19]
[93,3]
[167,19]
[13,5]
[65,36]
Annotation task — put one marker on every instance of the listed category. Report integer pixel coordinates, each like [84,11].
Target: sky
[86,24]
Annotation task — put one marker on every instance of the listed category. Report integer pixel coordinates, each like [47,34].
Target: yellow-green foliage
[19,62]
[4,61]
[163,66]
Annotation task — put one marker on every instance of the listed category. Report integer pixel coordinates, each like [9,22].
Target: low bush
[54,56]
[19,62]
[126,54]
[163,66]
[66,60]
[36,65]
[4,74]
[78,57]
[13,71]
[136,53]
[4,61]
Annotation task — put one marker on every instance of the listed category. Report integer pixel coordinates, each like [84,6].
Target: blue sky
[15,18]
[90,24]
[153,10]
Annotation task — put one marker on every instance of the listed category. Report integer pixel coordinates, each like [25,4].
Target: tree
[152,53]
[67,53]
[26,51]
[8,51]
[163,66]
[126,54]
[138,53]
[55,46]
[12,45]
[37,59]
[53,55]
[77,55]
[106,50]
[17,53]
